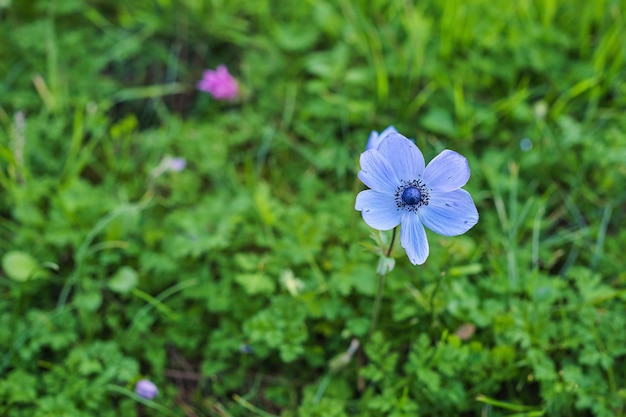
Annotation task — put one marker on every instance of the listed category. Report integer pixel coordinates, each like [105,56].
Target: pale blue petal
[387,131]
[447,171]
[377,173]
[449,214]
[375,139]
[413,238]
[372,141]
[379,210]
[403,155]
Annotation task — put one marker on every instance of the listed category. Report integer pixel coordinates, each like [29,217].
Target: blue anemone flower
[404,191]
[375,139]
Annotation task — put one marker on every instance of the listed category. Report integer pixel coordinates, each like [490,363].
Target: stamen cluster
[399,195]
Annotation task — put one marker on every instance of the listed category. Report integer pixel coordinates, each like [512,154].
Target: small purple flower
[219,83]
[146,389]
[404,191]
[375,139]
[177,164]
[169,163]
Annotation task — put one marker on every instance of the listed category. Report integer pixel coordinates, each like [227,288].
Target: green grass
[237,284]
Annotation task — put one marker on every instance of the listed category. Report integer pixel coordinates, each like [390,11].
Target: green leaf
[440,121]
[124,280]
[19,387]
[88,301]
[295,37]
[19,266]
[255,283]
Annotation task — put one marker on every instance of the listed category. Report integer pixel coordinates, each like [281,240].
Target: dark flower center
[411,195]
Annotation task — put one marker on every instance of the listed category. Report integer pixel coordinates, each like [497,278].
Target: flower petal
[447,171]
[413,238]
[388,130]
[375,139]
[377,173]
[449,214]
[372,141]
[403,155]
[379,210]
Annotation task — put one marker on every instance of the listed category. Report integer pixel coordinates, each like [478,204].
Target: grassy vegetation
[237,284]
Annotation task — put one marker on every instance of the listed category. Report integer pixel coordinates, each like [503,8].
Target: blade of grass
[157,302]
[245,404]
[506,405]
[148,403]
[83,250]
[604,224]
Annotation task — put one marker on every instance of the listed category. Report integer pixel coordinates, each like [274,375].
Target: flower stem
[432,298]
[377,302]
[381,285]
[393,239]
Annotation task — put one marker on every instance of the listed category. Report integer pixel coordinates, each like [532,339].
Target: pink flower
[219,83]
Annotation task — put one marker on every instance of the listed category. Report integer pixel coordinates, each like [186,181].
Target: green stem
[432,298]
[148,403]
[379,292]
[393,239]
[377,303]
[245,404]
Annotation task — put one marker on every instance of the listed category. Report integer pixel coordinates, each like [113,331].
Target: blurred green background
[234,283]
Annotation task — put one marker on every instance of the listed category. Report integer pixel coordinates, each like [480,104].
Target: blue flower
[375,139]
[146,389]
[403,191]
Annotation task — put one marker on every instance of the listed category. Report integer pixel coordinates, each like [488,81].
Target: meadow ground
[209,243]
